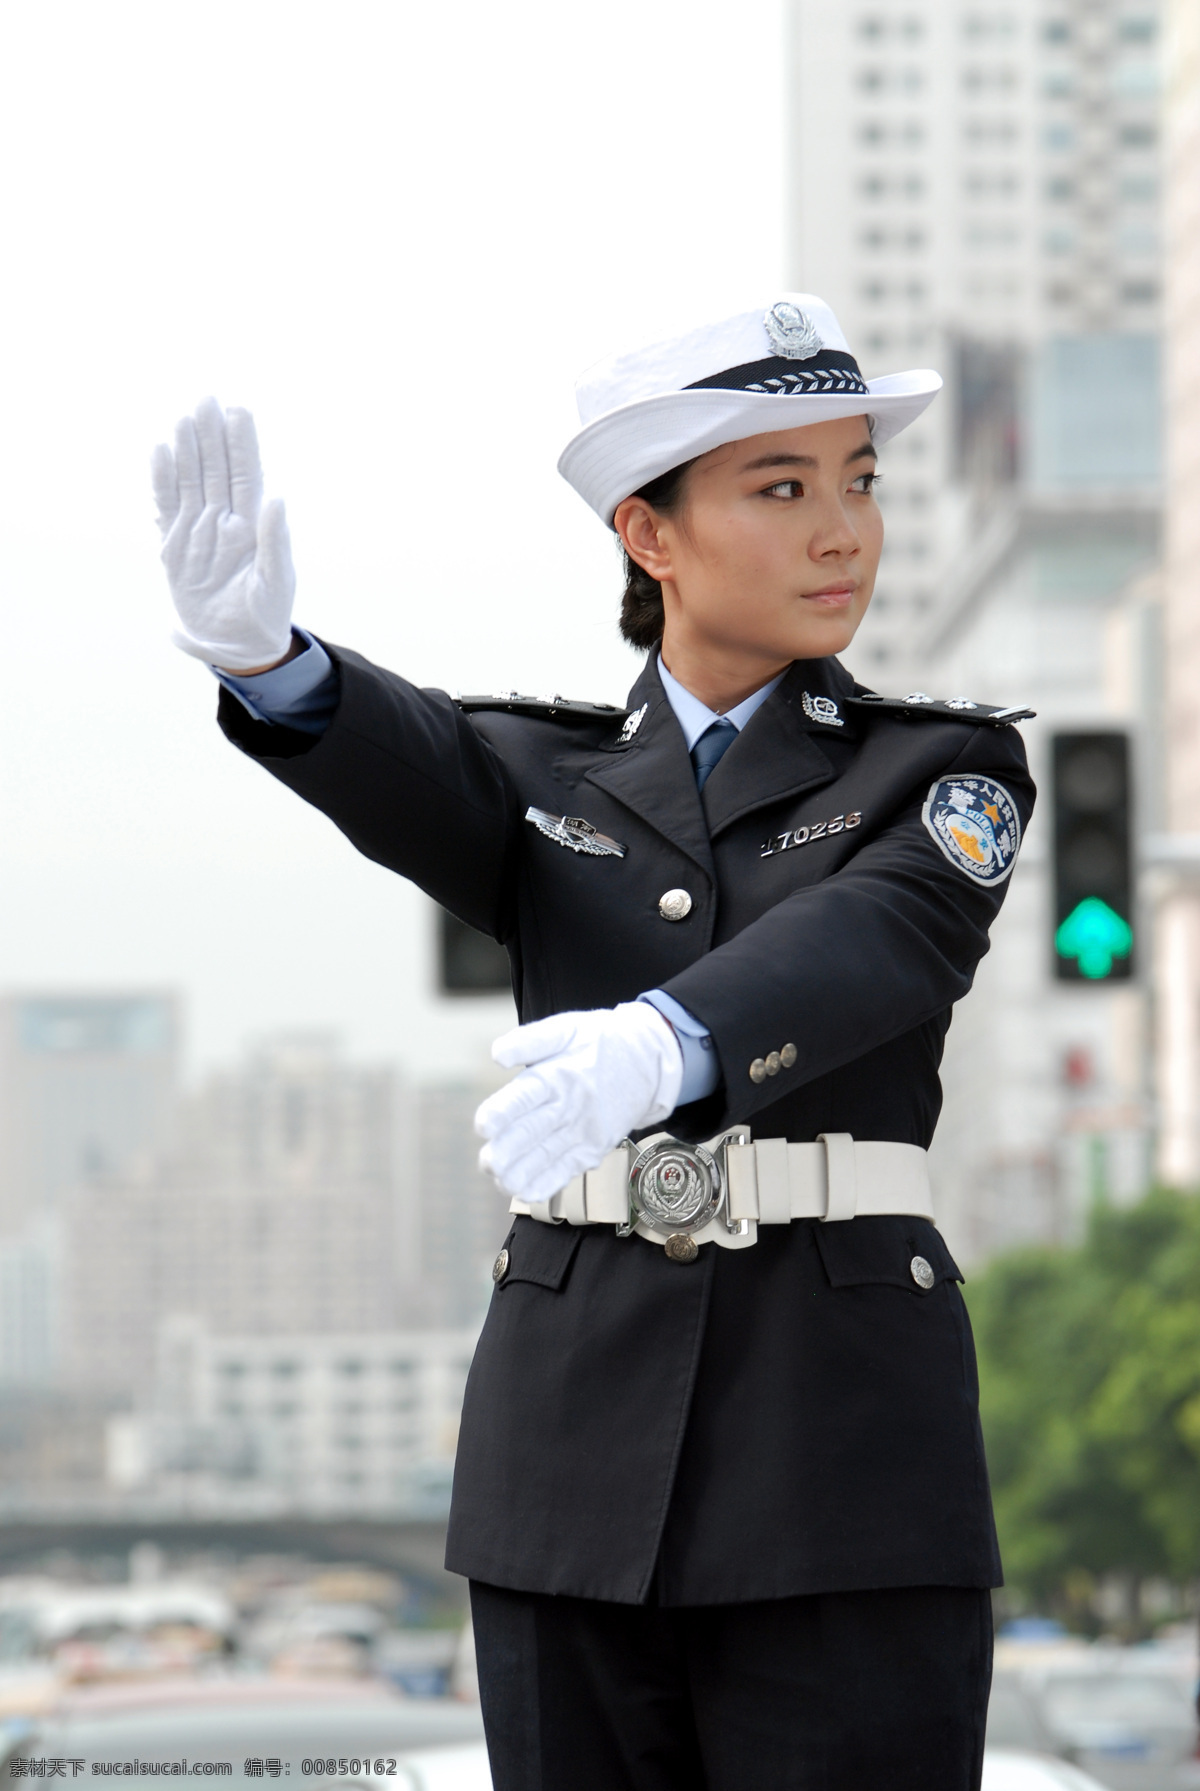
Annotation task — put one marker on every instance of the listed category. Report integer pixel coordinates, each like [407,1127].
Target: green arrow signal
[1094,934]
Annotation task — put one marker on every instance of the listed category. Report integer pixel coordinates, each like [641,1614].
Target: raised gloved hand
[227,554]
[593,1078]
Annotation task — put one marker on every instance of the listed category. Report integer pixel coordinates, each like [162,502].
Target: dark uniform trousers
[727,1523]
[838,1691]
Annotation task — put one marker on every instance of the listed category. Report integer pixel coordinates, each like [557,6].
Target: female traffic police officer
[720,1490]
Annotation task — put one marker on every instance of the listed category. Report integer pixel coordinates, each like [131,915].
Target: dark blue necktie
[711,748]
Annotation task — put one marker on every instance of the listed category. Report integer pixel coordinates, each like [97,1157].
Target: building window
[981,79]
[1059,136]
[990,130]
[1137,136]
[977,25]
[1137,31]
[1056,31]
[991,183]
[351,1366]
[1139,292]
[870,27]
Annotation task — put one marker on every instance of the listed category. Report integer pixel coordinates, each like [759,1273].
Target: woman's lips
[832,597]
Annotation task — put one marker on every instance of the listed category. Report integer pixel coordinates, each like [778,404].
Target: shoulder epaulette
[516,704]
[951,709]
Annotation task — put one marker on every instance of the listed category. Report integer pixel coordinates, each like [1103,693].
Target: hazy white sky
[397,233]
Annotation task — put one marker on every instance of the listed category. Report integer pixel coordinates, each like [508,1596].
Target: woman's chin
[822,638]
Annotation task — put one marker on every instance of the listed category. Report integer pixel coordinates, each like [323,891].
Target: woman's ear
[642,536]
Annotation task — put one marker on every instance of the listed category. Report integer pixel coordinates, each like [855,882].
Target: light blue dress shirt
[303,694]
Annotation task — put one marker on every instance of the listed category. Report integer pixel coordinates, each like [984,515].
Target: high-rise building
[88,1083]
[361,1422]
[277,1208]
[976,187]
[88,1086]
[1178,910]
[462,1216]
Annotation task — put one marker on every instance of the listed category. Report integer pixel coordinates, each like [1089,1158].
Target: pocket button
[500,1266]
[921,1272]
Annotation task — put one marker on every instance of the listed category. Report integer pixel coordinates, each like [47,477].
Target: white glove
[227,554]
[598,1076]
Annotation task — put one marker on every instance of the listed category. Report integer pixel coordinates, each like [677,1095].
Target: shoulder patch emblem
[821,708]
[975,824]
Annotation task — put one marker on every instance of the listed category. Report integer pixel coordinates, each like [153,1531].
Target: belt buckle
[675,1189]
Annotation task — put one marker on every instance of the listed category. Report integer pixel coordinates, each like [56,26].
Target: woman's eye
[787,488]
[866,482]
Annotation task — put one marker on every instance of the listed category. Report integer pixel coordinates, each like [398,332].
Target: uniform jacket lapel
[780,752]
[653,774]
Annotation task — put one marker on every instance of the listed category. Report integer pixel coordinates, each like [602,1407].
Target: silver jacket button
[500,1266]
[681,1248]
[758,1070]
[921,1272]
[774,1063]
[787,1056]
[675,905]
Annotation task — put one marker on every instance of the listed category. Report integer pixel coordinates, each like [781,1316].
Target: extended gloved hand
[594,1078]
[227,554]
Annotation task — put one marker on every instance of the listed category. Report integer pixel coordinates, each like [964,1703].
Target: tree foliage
[1090,1384]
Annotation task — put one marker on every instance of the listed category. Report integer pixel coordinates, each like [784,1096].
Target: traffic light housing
[1093,858]
[469,963]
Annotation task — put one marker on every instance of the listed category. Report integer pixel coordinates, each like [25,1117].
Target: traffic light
[469,963]
[1093,858]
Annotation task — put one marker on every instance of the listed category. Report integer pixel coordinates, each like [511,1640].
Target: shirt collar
[694,717]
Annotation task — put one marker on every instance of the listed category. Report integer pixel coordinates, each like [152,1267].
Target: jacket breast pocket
[536,1253]
[888,1251]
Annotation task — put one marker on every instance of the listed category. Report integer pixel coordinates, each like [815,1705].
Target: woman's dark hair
[642,616]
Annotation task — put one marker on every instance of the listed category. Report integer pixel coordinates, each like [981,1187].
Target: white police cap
[778,366]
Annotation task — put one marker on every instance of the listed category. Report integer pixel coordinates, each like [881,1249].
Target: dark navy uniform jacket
[795,1417]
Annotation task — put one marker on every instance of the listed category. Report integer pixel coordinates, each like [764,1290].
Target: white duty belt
[685,1195]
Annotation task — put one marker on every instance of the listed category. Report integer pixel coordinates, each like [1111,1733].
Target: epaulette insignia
[516,704]
[951,709]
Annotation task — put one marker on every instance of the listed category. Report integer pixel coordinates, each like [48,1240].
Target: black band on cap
[829,370]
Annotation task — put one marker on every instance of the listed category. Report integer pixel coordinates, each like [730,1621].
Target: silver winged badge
[574,832]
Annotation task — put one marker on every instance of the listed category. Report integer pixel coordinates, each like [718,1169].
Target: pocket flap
[540,1253]
[883,1250]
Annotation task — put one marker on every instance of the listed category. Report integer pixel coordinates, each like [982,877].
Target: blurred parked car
[306,1729]
[1009,1770]
[1015,1719]
[466,1769]
[446,1769]
[1130,1728]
